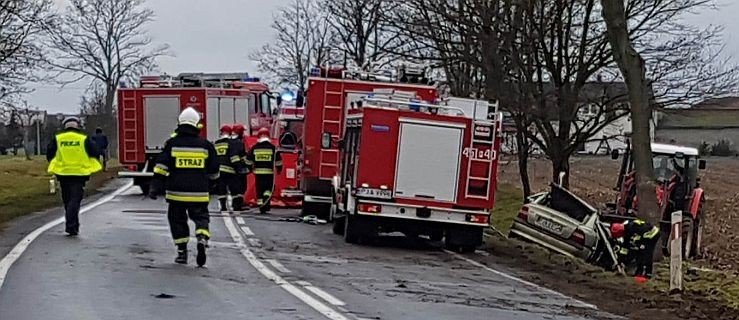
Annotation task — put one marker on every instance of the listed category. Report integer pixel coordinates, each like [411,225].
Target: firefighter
[265,158]
[185,170]
[72,157]
[639,240]
[227,182]
[239,160]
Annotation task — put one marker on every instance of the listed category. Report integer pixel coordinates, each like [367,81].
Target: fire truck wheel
[437,235]
[355,229]
[144,188]
[338,227]
[463,239]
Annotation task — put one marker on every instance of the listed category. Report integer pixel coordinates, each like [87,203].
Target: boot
[202,244]
[238,204]
[224,207]
[181,256]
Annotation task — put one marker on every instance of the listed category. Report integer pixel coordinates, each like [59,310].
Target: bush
[704,149]
[722,148]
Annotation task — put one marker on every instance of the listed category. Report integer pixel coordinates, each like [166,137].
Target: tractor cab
[678,188]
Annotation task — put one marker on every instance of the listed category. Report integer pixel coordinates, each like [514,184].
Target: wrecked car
[561,222]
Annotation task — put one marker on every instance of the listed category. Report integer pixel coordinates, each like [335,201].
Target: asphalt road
[121,267]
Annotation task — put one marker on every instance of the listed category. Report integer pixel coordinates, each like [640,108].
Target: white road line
[22,245]
[577,303]
[322,294]
[240,220]
[278,266]
[317,305]
[247,231]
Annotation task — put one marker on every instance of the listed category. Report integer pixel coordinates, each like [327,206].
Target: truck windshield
[265,104]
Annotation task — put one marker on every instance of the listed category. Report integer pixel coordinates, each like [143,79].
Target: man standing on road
[101,141]
[227,182]
[72,157]
[639,240]
[185,170]
[265,157]
[240,162]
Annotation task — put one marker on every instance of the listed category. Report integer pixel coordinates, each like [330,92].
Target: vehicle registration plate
[549,225]
[374,193]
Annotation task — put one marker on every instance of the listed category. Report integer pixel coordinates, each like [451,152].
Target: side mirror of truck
[614,154]
[701,164]
[326,140]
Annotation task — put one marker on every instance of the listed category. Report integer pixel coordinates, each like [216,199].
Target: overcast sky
[217,36]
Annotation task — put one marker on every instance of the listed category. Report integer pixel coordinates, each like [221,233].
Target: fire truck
[147,115]
[331,91]
[419,168]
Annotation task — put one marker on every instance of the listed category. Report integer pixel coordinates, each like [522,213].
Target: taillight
[132,168]
[578,236]
[523,213]
[370,208]
[478,218]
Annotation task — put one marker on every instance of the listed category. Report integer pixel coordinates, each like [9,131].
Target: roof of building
[698,118]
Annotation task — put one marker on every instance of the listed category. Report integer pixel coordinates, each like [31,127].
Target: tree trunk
[26,142]
[522,149]
[633,69]
[561,163]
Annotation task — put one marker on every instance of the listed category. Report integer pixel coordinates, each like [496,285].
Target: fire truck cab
[147,115]
[330,93]
[417,168]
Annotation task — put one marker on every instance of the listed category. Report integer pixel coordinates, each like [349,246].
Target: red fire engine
[148,115]
[330,93]
[418,168]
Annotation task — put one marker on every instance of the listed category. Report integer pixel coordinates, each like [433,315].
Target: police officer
[265,158]
[185,169]
[639,240]
[227,182]
[72,157]
[241,163]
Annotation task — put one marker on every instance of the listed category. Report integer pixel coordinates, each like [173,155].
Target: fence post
[676,252]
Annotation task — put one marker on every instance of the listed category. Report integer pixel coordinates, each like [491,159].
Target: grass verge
[24,186]
[708,294]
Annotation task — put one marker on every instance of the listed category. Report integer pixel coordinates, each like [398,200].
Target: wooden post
[676,252]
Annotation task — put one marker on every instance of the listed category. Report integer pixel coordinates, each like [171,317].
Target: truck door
[160,117]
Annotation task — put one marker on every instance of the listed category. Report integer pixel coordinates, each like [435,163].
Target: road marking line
[240,220]
[317,305]
[278,266]
[321,294]
[22,245]
[247,231]
[578,303]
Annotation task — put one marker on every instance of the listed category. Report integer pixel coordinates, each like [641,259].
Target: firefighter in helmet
[266,159]
[185,170]
[239,161]
[227,182]
[639,240]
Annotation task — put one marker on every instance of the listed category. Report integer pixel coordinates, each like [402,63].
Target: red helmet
[227,129]
[263,132]
[238,129]
[617,230]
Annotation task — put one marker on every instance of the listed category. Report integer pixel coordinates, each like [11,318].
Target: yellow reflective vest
[71,158]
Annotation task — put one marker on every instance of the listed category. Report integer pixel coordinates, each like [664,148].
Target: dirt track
[594,178]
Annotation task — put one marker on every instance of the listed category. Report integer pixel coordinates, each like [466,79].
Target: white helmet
[189,116]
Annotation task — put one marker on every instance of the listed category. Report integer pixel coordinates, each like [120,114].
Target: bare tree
[25,117]
[93,102]
[303,39]
[102,40]
[20,51]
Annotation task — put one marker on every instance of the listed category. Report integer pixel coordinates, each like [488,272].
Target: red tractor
[678,189]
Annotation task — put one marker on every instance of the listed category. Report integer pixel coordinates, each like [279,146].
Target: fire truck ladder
[333,98]
[489,161]
[129,126]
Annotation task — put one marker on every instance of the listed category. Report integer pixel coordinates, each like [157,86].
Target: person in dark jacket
[72,157]
[265,159]
[229,162]
[240,161]
[639,240]
[101,141]
[185,170]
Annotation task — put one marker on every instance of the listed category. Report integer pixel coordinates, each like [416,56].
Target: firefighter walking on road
[239,160]
[639,240]
[228,181]
[266,159]
[185,170]
[72,159]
